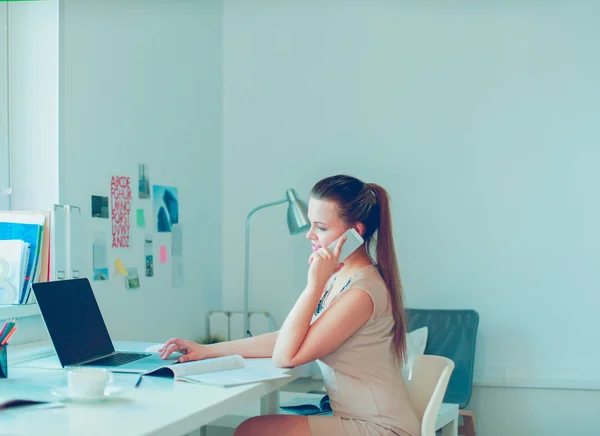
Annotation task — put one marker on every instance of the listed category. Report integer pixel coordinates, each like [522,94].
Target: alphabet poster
[120,199]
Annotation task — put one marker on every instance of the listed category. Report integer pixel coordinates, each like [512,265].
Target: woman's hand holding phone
[323,264]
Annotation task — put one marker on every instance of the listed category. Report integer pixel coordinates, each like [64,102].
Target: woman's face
[325,224]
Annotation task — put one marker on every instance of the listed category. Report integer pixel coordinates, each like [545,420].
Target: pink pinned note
[163,254]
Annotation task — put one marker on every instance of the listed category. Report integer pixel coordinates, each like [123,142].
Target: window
[28,104]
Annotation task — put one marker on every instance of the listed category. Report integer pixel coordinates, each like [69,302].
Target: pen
[7,332]
[5,340]
[138,382]
[6,328]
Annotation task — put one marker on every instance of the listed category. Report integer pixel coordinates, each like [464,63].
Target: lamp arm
[247,261]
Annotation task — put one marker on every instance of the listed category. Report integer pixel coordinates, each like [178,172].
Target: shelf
[19,311]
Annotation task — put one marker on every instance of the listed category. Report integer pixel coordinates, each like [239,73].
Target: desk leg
[269,404]
[451,429]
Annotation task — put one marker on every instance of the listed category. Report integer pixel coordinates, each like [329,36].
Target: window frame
[5,168]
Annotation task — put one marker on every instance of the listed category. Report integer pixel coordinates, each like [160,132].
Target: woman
[350,318]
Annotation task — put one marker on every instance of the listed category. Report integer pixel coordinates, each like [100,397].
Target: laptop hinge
[83,362]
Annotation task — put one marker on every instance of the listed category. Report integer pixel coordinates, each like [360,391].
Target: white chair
[427,381]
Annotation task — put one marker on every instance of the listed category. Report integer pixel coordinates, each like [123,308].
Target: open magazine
[220,371]
[306,405]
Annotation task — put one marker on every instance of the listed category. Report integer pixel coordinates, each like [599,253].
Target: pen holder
[3,362]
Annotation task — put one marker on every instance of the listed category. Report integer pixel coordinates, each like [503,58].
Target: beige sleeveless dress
[362,378]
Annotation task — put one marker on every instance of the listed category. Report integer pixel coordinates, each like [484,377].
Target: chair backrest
[427,382]
[452,334]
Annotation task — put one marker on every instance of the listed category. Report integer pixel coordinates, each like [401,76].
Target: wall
[140,82]
[147,91]
[480,120]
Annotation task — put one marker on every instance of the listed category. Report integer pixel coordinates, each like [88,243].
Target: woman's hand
[323,264]
[189,349]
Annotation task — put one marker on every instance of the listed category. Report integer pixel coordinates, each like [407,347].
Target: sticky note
[141,221]
[163,254]
[120,267]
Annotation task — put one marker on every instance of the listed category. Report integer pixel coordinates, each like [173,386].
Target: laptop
[78,332]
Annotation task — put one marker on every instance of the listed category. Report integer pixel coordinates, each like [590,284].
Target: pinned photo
[166,207]
[149,255]
[99,206]
[132,281]
[99,257]
[144,181]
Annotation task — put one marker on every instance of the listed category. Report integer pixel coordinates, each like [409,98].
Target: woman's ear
[360,228]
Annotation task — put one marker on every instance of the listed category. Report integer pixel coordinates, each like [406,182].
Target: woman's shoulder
[369,280]
[369,275]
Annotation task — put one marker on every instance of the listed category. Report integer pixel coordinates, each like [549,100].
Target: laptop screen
[73,320]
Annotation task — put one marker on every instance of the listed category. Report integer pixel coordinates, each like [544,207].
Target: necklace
[322,300]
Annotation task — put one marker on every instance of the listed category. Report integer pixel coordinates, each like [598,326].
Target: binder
[73,241]
[45,270]
[58,238]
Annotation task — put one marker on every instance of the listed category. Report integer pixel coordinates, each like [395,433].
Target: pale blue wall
[141,83]
[482,120]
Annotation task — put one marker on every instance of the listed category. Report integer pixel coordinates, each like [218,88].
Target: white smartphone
[353,241]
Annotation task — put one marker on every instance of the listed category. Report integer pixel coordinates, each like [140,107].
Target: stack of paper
[24,249]
[234,377]
[14,258]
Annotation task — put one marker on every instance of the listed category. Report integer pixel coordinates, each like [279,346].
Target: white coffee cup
[88,382]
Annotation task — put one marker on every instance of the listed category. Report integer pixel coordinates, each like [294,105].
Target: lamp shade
[297,214]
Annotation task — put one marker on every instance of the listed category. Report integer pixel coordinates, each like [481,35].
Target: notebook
[220,371]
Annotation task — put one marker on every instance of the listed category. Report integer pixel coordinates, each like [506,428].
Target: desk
[158,407]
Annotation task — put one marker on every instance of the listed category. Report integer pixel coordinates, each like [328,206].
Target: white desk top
[159,406]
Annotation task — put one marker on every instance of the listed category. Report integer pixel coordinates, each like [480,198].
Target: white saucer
[110,392]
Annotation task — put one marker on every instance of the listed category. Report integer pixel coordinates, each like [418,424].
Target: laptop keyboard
[117,359]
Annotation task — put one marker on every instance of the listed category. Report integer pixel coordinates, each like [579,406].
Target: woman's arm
[296,326]
[256,346]
[300,342]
